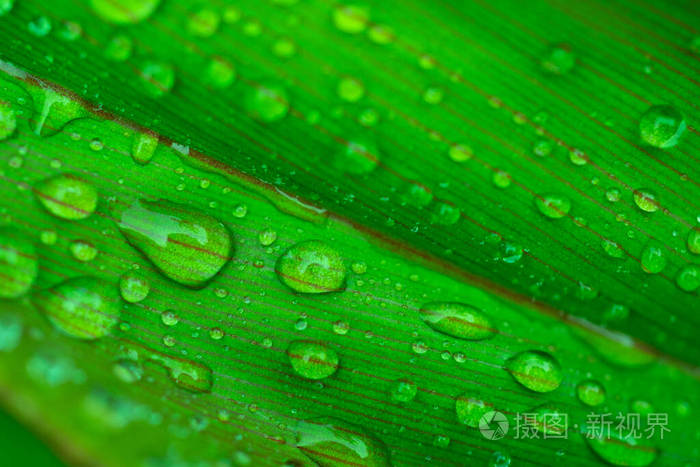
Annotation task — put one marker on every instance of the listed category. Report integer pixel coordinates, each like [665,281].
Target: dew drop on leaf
[694,240]
[590,392]
[128,371]
[267,237]
[457,320]
[470,409]
[8,120]
[67,196]
[157,78]
[619,450]
[351,19]
[312,266]
[346,444]
[645,199]
[143,147]
[312,360]
[662,126]
[536,370]
[460,152]
[18,263]
[220,72]
[190,375]
[350,89]
[559,59]
[266,102]
[6,6]
[553,206]
[185,244]
[82,250]
[169,318]
[40,26]
[203,22]
[81,307]
[403,390]
[133,287]
[688,278]
[119,48]
[653,258]
[124,11]
[357,157]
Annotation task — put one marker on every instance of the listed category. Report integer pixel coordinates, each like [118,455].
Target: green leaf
[340,233]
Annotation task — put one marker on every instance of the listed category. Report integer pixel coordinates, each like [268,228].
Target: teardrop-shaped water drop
[67,196]
[312,266]
[186,245]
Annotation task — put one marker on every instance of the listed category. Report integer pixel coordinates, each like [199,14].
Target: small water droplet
[119,48]
[127,370]
[267,102]
[351,19]
[559,59]
[460,152]
[537,371]
[124,11]
[645,199]
[157,78]
[688,278]
[221,73]
[203,22]
[312,360]
[267,237]
[67,196]
[216,333]
[653,258]
[553,206]
[590,392]
[350,89]
[18,263]
[312,266]
[143,147]
[40,26]
[133,287]
[470,410]
[662,126]
[82,250]
[403,390]
[169,318]
[457,320]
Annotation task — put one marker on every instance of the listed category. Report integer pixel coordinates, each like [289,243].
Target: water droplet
[18,263]
[445,214]
[342,443]
[240,211]
[10,332]
[403,390]
[350,89]
[559,59]
[220,72]
[8,120]
[6,6]
[613,195]
[688,278]
[312,360]
[653,258]
[311,267]
[127,370]
[537,371]
[188,246]
[460,152]
[169,318]
[157,78]
[83,250]
[359,267]
[119,48]
[542,148]
[662,126]
[433,95]
[81,307]
[590,392]
[216,333]
[357,157]
[69,31]
[351,19]
[553,206]
[67,196]
[501,179]
[645,200]
[499,459]
[457,320]
[267,237]
[267,102]
[300,324]
[380,34]
[612,249]
[193,376]
[616,312]
[40,26]
[694,240]
[419,347]
[133,287]
[418,195]
[168,340]
[511,253]
[284,47]
[124,11]
[619,450]
[48,237]
[203,23]
[470,410]
[341,327]
[578,157]
[143,147]
[441,441]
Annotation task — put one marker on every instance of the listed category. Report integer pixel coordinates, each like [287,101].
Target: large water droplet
[470,409]
[619,450]
[331,443]
[688,278]
[653,258]
[312,360]
[457,320]
[67,196]
[18,263]
[662,126]
[645,199]
[312,267]
[590,392]
[537,371]
[267,102]
[351,19]
[553,206]
[188,246]
[143,147]
[124,11]
[81,307]
[133,287]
